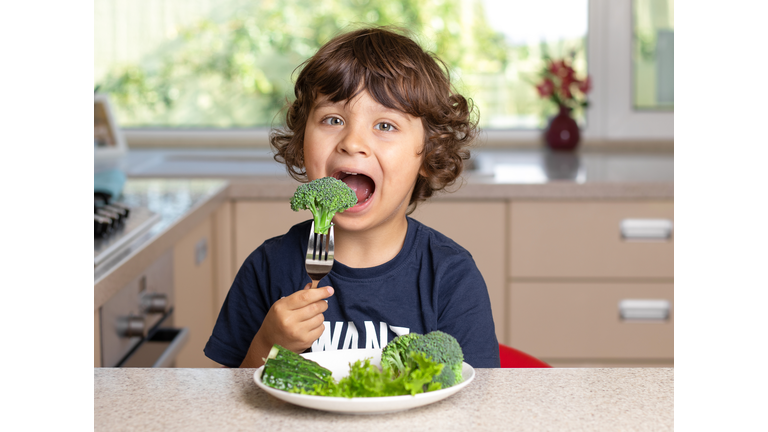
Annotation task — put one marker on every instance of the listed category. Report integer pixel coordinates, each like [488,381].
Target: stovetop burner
[115,226]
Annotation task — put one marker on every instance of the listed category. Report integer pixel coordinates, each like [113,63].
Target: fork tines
[319,258]
[319,241]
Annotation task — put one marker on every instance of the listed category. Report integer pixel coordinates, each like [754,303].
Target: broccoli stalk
[324,197]
[394,356]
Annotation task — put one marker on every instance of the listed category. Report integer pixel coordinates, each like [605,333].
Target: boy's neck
[372,247]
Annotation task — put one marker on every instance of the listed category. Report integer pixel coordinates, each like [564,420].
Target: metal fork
[319,254]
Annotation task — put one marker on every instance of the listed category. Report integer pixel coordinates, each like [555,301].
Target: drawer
[585,240]
[583,321]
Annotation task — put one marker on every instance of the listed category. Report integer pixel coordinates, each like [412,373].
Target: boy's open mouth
[360,183]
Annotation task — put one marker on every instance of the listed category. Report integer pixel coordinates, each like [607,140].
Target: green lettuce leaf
[367,380]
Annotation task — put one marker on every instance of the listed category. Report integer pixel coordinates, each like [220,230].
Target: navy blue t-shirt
[432,284]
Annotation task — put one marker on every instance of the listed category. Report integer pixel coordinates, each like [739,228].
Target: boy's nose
[353,143]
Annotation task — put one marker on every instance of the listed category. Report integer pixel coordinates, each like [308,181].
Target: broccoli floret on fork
[324,197]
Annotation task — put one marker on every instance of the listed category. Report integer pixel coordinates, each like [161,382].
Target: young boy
[376,111]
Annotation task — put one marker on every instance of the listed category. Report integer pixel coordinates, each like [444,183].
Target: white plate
[338,363]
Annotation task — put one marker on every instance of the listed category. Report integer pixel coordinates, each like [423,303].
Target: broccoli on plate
[438,346]
[395,354]
[324,197]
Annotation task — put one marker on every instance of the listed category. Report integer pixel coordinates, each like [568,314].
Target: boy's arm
[293,322]
[257,352]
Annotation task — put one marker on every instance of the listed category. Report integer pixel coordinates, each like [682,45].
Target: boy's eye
[386,127]
[333,121]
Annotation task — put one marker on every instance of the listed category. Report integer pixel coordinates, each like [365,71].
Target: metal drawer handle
[646,229]
[644,309]
[171,352]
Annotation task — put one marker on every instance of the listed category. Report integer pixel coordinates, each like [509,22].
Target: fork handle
[314,283]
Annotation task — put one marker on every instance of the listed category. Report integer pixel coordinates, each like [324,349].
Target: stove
[136,323]
[116,225]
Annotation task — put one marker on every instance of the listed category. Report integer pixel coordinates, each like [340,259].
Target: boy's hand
[293,322]
[297,320]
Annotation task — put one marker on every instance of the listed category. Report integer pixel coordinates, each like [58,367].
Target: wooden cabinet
[584,240]
[257,221]
[96,339]
[193,275]
[570,266]
[223,250]
[571,321]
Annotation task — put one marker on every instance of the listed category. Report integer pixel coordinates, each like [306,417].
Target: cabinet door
[584,240]
[222,250]
[478,227]
[194,293]
[256,221]
[571,321]
[96,340]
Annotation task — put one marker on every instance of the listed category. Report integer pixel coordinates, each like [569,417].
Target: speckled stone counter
[497,400]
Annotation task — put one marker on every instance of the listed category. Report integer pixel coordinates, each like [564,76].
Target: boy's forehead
[324,101]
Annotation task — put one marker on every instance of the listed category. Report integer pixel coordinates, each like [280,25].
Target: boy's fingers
[306,297]
[308,286]
[310,310]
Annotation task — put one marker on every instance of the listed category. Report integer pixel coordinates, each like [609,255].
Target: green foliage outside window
[237,70]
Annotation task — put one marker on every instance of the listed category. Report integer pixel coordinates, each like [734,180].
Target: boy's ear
[422,168]
[423,171]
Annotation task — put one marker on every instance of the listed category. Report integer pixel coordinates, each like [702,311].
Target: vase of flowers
[558,82]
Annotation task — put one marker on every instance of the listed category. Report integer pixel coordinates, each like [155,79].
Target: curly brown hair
[398,74]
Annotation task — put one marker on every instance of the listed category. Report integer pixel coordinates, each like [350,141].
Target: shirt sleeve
[464,310]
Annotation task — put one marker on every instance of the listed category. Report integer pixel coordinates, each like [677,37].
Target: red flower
[561,68]
[546,88]
[554,66]
[585,86]
[559,83]
[567,73]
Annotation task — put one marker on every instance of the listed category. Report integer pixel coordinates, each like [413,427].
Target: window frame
[611,119]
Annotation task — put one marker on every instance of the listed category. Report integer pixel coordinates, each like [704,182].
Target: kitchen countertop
[498,399]
[528,174]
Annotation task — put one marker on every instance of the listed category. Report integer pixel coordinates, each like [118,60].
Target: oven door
[160,348]
[137,327]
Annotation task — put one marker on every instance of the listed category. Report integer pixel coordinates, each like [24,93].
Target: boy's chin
[349,223]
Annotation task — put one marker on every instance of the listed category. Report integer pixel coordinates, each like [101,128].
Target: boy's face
[378,144]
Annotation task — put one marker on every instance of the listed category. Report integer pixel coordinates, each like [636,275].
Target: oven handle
[169,355]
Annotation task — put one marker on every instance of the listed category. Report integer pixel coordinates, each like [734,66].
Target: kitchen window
[653,53]
[217,72]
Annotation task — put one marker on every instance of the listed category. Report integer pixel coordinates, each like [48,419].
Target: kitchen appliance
[137,328]
[116,225]
[109,144]
[137,322]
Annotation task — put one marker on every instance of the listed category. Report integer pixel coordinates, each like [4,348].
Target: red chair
[512,358]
